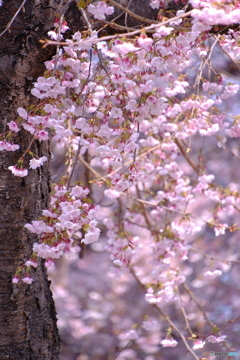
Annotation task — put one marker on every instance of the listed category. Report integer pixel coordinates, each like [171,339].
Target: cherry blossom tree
[140,100]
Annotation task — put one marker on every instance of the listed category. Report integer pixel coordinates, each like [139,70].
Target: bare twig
[86,19]
[226,147]
[58,46]
[126,14]
[229,322]
[145,215]
[226,53]
[183,152]
[173,210]
[117,26]
[89,168]
[13,18]
[111,37]
[104,178]
[77,155]
[129,12]
[166,317]
[184,314]
[74,164]
[101,60]
[129,162]
[193,297]
[204,63]
[213,258]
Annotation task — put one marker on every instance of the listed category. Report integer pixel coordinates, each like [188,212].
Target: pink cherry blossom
[38,227]
[112,194]
[31,263]
[13,126]
[18,171]
[35,163]
[100,10]
[49,263]
[27,280]
[4,145]
[163,31]
[48,213]
[198,344]
[216,339]
[169,343]
[42,135]
[213,274]
[92,234]
[155,4]
[131,335]
[78,191]
[23,113]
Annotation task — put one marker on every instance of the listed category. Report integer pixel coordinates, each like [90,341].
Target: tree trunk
[27,313]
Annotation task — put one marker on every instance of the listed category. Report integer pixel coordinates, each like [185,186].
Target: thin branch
[204,63]
[226,147]
[190,293]
[213,258]
[226,53]
[129,12]
[183,152]
[86,19]
[13,18]
[166,317]
[101,60]
[117,26]
[77,156]
[145,215]
[185,314]
[103,178]
[47,42]
[207,319]
[177,331]
[57,56]
[89,168]
[229,322]
[89,73]
[128,162]
[135,151]
[74,164]
[112,21]
[139,225]
[126,14]
[207,222]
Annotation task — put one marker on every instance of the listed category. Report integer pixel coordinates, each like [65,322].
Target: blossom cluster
[70,212]
[135,108]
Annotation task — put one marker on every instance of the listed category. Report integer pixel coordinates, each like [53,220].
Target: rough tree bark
[27,313]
